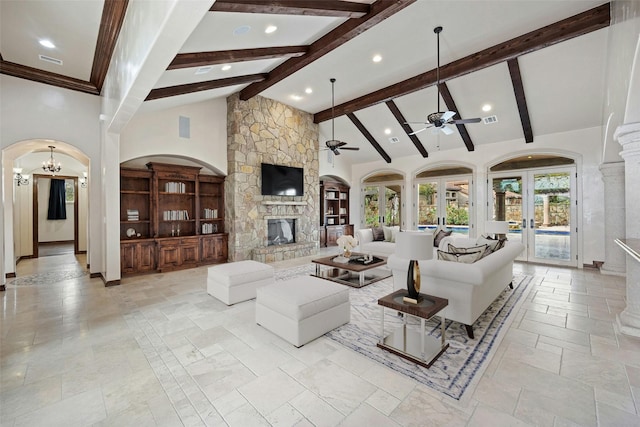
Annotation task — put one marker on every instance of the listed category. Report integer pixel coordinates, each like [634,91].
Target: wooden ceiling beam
[369,137]
[521,100]
[577,25]
[200,59]
[403,122]
[113,13]
[165,92]
[451,106]
[334,8]
[380,10]
[46,77]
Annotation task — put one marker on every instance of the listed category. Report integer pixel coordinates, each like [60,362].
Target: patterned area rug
[458,369]
[48,278]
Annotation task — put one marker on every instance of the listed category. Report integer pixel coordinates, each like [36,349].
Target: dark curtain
[57,196]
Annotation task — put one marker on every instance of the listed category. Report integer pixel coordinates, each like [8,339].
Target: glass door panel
[552,216]
[428,205]
[457,205]
[507,206]
[371,206]
[393,203]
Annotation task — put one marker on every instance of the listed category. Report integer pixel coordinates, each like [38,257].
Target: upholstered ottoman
[303,308]
[238,281]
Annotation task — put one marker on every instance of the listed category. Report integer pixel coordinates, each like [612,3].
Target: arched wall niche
[383,176]
[531,161]
[333,178]
[141,162]
[444,169]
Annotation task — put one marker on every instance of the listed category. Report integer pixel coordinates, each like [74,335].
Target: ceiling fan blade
[419,130]
[416,123]
[446,130]
[336,151]
[350,148]
[463,121]
[447,115]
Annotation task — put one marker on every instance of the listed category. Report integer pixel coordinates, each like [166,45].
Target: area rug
[459,368]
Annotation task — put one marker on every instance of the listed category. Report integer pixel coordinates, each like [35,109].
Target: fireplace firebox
[281,231]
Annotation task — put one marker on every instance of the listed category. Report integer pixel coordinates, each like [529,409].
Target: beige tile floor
[158,350]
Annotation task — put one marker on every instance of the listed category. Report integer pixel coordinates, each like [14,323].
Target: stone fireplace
[261,130]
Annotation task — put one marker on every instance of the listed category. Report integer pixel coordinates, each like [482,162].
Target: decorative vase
[413,279]
[346,253]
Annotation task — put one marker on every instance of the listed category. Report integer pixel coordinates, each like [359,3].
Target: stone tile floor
[158,350]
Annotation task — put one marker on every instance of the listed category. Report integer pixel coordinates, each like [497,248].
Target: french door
[540,206]
[444,202]
[382,205]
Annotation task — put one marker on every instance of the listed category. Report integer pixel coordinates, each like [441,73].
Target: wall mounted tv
[278,180]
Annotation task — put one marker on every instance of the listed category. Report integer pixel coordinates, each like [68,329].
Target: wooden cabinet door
[189,253]
[146,256]
[128,262]
[214,249]
[168,255]
[332,235]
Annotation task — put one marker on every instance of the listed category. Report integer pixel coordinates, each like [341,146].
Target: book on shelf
[133,215]
[175,187]
[175,215]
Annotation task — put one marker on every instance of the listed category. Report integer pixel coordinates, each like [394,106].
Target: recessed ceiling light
[243,29]
[377,58]
[296,97]
[270,29]
[226,67]
[308,90]
[387,131]
[486,107]
[47,43]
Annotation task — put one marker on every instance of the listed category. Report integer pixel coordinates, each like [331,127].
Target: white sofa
[367,245]
[470,288]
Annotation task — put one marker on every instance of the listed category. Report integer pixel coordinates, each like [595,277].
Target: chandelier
[51,164]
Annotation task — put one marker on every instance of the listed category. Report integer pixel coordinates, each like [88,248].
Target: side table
[409,343]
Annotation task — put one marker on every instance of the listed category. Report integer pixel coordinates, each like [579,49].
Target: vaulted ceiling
[540,65]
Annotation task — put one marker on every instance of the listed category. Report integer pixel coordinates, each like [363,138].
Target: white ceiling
[564,83]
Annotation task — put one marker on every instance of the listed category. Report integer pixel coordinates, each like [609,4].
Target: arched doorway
[537,195]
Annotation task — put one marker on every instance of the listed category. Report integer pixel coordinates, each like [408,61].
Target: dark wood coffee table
[409,343]
[351,274]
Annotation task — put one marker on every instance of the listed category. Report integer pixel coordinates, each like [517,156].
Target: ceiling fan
[440,120]
[333,144]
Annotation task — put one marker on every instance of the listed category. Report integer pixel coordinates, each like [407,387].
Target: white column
[628,135]
[614,217]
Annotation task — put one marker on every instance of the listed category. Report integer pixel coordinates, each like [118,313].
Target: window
[69,193]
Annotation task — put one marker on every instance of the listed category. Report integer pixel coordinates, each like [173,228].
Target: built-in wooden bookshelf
[334,212]
[171,217]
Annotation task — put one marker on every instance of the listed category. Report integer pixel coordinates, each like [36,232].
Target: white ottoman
[237,281]
[303,308]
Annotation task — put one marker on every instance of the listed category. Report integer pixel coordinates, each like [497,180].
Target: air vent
[50,59]
[204,70]
[490,119]
[394,140]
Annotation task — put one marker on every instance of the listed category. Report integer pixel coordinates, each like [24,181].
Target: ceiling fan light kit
[333,144]
[439,120]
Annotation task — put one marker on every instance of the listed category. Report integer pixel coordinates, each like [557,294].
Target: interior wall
[584,144]
[156,133]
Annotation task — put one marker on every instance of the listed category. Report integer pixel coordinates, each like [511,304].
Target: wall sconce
[20,178]
[84,180]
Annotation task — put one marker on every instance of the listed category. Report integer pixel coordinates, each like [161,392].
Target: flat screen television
[278,180]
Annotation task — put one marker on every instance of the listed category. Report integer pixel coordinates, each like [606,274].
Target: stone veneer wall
[261,130]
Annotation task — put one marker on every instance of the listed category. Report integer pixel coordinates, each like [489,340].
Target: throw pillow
[394,233]
[439,236]
[468,258]
[491,244]
[455,250]
[378,234]
[388,233]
